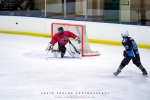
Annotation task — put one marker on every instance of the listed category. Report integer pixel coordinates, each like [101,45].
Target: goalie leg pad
[57,54]
[72,50]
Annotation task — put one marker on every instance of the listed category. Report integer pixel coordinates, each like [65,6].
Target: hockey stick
[46,57]
[73,47]
[47,53]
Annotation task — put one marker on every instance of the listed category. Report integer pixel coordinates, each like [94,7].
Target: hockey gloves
[124,54]
[78,39]
[49,47]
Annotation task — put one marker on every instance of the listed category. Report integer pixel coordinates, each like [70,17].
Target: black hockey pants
[135,60]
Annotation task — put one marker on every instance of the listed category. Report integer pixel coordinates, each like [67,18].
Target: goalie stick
[47,53]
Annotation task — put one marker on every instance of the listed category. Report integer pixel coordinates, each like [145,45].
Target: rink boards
[105,33]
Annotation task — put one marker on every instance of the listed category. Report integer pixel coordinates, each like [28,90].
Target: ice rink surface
[25,73]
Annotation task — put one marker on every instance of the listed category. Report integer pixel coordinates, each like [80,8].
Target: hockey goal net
[79,30]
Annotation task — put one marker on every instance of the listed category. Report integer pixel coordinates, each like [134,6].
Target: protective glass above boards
[135,12]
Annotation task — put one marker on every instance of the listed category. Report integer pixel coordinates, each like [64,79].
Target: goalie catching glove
[78,39]
[49,47]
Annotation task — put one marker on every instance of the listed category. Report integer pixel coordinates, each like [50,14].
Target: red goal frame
[82,39]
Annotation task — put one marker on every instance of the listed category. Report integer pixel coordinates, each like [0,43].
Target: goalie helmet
[60,30]
[124,34]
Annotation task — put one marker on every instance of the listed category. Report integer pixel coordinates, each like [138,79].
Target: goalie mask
[60,30]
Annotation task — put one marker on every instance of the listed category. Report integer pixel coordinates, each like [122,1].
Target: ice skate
[144,72]
[116,73]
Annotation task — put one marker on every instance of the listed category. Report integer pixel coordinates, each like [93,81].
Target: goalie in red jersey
[62,37]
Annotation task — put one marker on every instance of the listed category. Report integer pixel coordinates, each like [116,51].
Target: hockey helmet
[60,30]
[124,34]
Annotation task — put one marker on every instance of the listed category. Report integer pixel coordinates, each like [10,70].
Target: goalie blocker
[70,48]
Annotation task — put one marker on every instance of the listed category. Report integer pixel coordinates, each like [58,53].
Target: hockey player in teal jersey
[130,52]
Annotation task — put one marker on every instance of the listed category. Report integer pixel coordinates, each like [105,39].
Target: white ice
[25,73]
